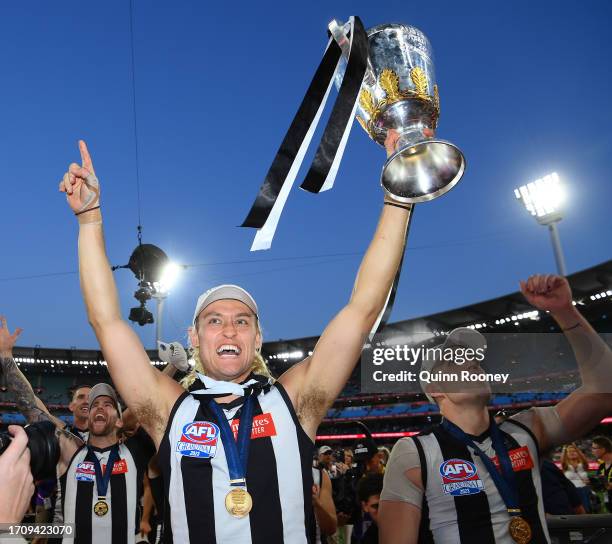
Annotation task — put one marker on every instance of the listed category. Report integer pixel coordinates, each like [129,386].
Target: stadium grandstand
[54,372]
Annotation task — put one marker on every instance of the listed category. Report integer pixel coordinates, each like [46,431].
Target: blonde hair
[386,453]
[259,365]
[565,461]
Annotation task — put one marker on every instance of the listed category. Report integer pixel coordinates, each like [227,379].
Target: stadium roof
[587,285]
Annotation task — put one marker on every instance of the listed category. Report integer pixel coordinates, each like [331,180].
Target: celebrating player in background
[102,482]
[218,489]
[448,481]
[102,504]
[79,407]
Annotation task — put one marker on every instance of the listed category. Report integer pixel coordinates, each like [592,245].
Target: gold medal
[238,502]
[520,530]
[100,508]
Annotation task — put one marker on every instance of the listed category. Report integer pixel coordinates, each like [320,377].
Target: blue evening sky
[525,90]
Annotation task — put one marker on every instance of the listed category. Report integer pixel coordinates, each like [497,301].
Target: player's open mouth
[228,350]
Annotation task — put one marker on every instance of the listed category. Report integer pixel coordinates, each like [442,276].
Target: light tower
[160,292]
[544,198]
[156,274]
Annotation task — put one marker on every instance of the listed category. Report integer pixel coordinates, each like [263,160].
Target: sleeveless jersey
[196,476]
[58,517]
[79,494]
[461,503]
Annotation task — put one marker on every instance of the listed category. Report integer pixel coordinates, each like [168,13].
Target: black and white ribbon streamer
[324,168]
[268,206]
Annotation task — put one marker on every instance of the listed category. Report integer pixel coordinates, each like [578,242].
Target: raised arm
[146,391]
[314,384]
[28,403]
[586,406]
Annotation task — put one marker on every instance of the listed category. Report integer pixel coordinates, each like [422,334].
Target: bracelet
[572,327]
[406,207]
[87,210]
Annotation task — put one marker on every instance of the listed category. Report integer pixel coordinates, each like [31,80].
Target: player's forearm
[97,282]
[381,261]
[593,355]
[147,502]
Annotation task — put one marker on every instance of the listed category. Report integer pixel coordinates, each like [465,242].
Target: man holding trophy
[275,496]
[257,487]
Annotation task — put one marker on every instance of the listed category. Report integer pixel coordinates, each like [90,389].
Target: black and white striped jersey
[461,503]
[58,516]
[79,494]
[196,476]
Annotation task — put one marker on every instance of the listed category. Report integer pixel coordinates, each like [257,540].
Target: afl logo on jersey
[460,477]
[85,472]
[198,439]
[457,469]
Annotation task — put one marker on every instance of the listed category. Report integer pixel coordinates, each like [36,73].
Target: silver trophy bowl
[399,93]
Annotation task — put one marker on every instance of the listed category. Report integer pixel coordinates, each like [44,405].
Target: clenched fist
[548,293]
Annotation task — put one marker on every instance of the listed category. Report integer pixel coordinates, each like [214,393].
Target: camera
[141,315]
[338,456]
[44,448]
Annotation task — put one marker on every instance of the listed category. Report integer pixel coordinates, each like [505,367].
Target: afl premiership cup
[399,92]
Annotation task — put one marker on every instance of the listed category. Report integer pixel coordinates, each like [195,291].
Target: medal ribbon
[236,451]
[506,481]
[102,480]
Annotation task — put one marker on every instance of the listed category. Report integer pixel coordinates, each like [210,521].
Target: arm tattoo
[65,433]
[18,384]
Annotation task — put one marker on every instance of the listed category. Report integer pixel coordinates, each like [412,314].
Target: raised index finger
[85,157]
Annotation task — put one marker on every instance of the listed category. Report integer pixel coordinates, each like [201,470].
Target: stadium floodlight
[161,288]
[156,275]
[168,277]
[544,199]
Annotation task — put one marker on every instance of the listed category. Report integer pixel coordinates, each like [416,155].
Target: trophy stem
[408,138]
